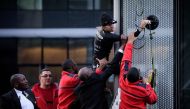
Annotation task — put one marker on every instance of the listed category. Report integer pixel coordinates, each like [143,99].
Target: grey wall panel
[162,44]
[183,55]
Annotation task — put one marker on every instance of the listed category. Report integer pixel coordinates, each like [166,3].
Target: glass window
[77,4]
[81,4]
[29,4]
[56,72]
[36,53]
[55,4]
[31,73]
[103,4]
[29,51]
[80,50]
[55,51]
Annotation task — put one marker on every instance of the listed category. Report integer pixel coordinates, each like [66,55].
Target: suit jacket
[10,100]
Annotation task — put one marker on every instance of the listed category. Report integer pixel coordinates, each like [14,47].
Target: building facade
[39,33]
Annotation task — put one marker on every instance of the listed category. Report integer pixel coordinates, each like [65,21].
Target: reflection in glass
[29,4]
[103,4]
[81,50]
[55,51]
[56,72]
[36,53]
[29,51]
[31,74]
[81,4]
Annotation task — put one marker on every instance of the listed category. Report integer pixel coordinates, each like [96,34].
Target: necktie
[25,94]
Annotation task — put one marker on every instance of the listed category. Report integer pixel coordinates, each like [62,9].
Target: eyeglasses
[46,75]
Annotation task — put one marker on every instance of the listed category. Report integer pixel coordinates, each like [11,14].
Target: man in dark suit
[20,97]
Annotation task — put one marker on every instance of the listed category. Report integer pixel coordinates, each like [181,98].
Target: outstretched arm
[141,27]
[127,58]
[114,64]
[102,63]
[152,97]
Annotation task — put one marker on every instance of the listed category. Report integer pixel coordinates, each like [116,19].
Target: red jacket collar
[139,81]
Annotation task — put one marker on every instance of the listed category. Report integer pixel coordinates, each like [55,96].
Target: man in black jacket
[20,97]
[105,38]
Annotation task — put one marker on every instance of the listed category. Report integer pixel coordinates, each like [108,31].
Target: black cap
[106,20]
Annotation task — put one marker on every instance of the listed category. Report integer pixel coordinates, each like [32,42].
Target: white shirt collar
[25,103]
[17,91]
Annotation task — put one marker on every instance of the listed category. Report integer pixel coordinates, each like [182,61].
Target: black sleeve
[113,66]
[137,32]
[113,37]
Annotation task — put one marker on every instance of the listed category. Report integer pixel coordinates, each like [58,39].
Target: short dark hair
[14,79]
[107,19]
[45,69]
[69,66]
[133,75]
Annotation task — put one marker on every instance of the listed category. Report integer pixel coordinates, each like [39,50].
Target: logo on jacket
[99,35]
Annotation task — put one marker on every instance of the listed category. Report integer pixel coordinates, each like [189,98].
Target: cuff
[120,50]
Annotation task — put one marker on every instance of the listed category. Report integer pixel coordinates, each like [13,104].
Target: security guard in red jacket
[69,80]
[135,93]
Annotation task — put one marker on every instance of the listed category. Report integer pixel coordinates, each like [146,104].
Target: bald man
[90,92]
[20,97]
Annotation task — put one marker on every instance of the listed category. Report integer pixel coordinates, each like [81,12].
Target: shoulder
[29,91]
[55,85]
[8,95]
[145,88]
[143,85]
[65,73]
[35,86]
[5,95]
[95,75]
[95,78]
[71,75]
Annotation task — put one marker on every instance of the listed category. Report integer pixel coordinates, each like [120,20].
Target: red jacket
[133,95]
[66,89]
[41,102]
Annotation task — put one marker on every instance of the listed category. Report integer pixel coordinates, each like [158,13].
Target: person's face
[45,78]
[22,83]
[108,28]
